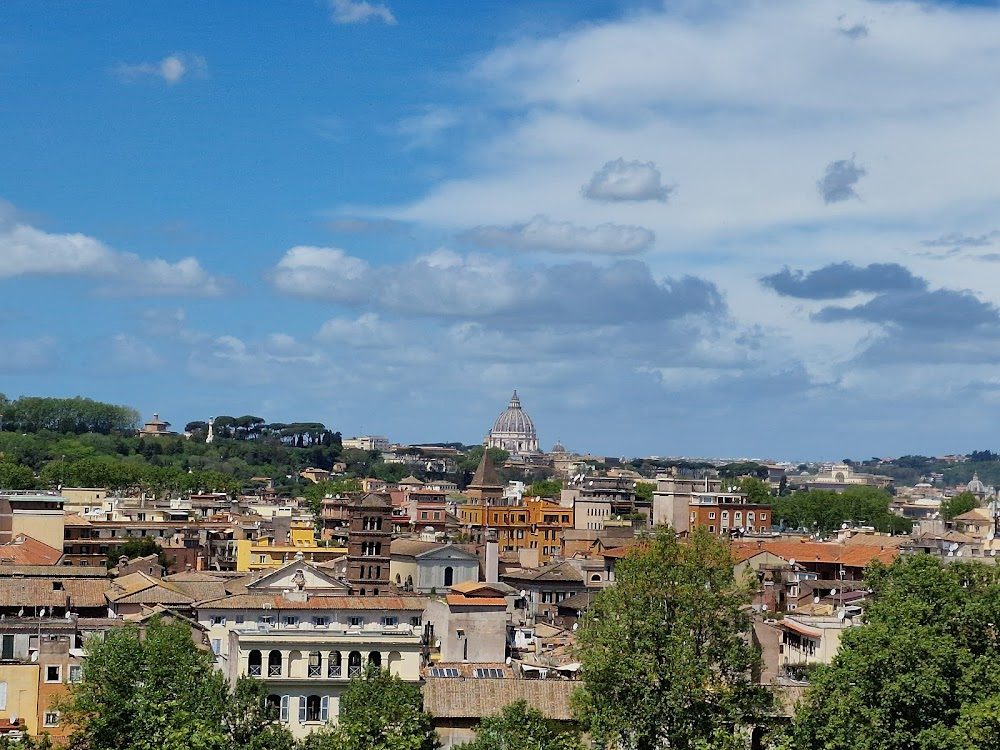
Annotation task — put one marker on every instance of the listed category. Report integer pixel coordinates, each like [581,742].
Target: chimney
[492,561]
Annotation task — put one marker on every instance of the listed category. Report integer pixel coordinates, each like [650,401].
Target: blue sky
[742,229]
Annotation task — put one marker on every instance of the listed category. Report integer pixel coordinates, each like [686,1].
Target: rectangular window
[423,515]
[321,622]
[487,672]
[711,515]
[763,516]
[216,646]
[51,718]
[355,621]
[218,619]
[3,696]
[267,619]
[324,708]
[53,673]
[75,673]
[8,646]
[415,621]
[390,622]
[711,529]
[240,619]
[283,712]
[302,709]
[290,621]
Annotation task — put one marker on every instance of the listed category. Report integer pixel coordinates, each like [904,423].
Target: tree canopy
[156,690]
[961,503]
[824,511]
[665,651]
[521,727]
[922,673]
[378,711]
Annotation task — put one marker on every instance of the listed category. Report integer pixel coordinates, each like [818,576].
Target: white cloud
[359,11]
[545,235]
[621,180]
[171,69]
[29,251]
[322,272]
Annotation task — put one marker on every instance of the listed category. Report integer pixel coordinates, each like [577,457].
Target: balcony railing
[254,670]
[333,671]
[274,670]
[354,671]
[315,670]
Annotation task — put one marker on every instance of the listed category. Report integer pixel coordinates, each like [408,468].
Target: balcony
[315,670]
[254,670]
[354,671]
[274,670]
[334,670]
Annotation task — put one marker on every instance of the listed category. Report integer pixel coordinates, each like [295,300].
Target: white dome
[513,430]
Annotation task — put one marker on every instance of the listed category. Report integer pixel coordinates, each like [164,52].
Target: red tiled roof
[26,550]
[457,600]
[854,556]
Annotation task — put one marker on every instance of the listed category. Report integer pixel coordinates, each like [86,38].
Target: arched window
[375,659]
[354,664]
[254,663]
[449,576]
[374,592]
[595,577]
[409,583]
[333,668]
[315,664]
[363,592]
[399,579]
[275,701]
[274,664]
[378,549]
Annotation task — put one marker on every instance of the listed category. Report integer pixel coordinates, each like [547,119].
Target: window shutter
[3,696]
[284,708]
[324,708]
[302,709]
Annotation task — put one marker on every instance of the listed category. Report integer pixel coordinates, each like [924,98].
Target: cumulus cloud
[171,69]
[939,309]
[838,181]
[621,180]
[28,251]
[842,280]
[542,234]
[359,11]
[446,284]
[367,331]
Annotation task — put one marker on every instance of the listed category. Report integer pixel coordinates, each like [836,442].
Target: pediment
[298,574]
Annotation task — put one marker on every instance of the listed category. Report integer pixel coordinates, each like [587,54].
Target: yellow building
[536,524]
[19,696]
[266,553]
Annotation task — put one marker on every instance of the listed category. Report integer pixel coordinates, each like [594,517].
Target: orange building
[535,524]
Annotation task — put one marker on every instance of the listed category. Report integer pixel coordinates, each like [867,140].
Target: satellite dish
[523,593]
[34,656]
[815,600]
[576,625]
[833,592]
[993,553]
[791,561]
[13,718]
[841,615]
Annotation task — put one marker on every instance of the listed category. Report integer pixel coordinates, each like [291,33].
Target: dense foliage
[923,673]
[665,651]
[521,727]
[824,511]
[72,415]
[378,711]
[961,503]
[156,690]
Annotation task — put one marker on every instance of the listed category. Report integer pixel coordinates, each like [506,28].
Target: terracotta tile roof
[855,556]
[47,571]
[561,571]
[472,587]
[26,550]
[38,592]
[260,601]
[140,588]
[453,698]
[458,600]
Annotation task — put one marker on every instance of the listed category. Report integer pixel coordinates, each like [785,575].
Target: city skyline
[734,229]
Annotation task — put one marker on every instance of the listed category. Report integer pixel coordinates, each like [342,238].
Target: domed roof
[514,420]
[976,485]
[558,447]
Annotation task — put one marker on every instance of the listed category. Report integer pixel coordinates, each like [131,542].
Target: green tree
[137,547]
[922,673]
[314,493]
[666,654]
[756,490]
[545,488]
[961,503]
[521,727]
[15,477]
[251,722]
[378,711]
[644,490]
[147,691]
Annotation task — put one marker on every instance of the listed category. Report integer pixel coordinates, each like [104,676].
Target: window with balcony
[355,621]
[315,664]
[254,663]
[290,621]
[333,668]
[321,621]
[354,664]
[390,622]
[274,664]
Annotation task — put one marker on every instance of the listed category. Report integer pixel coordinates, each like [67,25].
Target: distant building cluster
[471,590]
